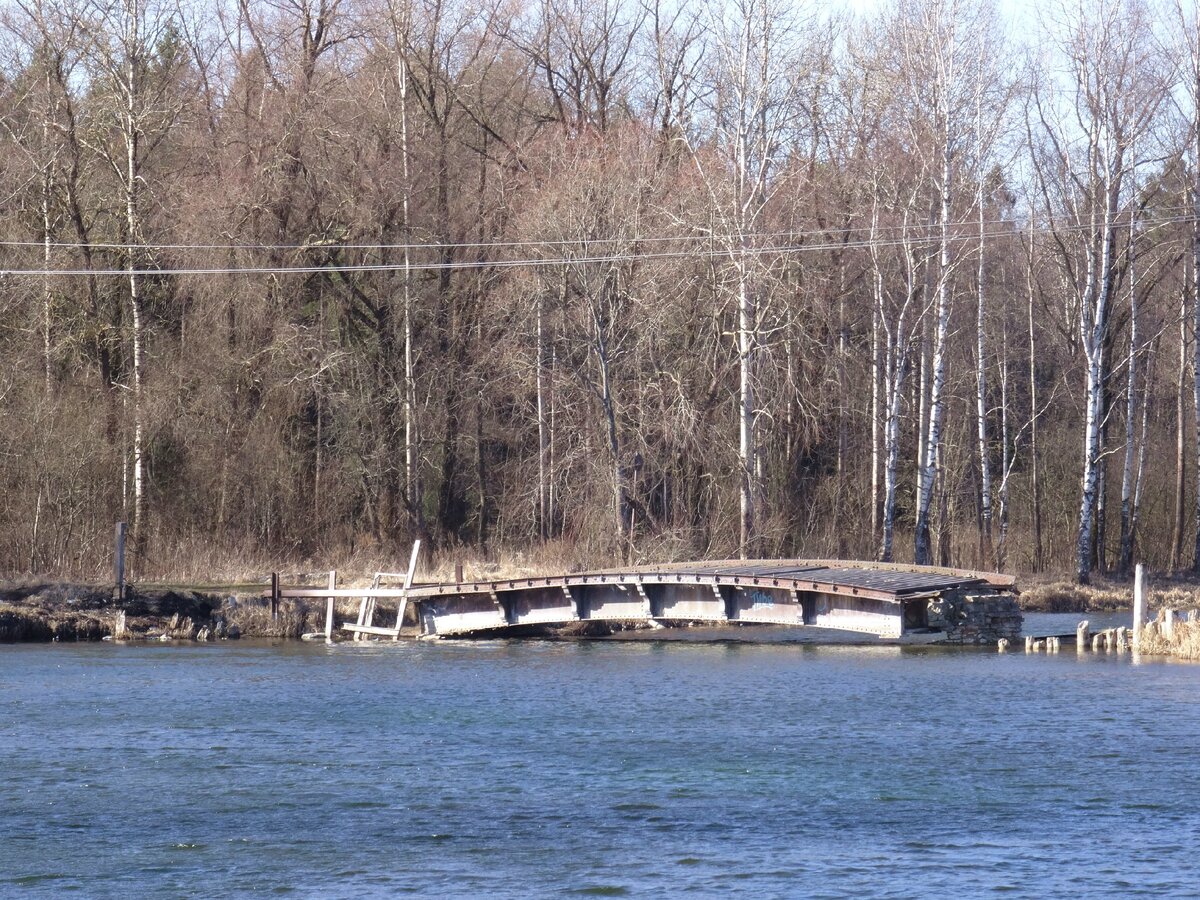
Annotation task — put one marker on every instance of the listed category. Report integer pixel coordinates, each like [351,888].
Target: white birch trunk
[47,189]
[1094,325]
[543,432]
[132,129]
[1034,457]
[923,554]
[1005,458]
[985,467]
[746,449]
[877,282]
[412,482]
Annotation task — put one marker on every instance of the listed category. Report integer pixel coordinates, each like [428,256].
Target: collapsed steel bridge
[885,600]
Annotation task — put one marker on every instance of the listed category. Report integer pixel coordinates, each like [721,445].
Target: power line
[536,262]
[916,228]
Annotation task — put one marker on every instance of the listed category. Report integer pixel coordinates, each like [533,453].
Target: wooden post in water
[274,596]
[1081,636]
[119,562]
[1139,603]
[1168,624]
[329,601]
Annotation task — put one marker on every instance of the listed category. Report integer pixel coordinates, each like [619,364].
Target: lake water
[594,768]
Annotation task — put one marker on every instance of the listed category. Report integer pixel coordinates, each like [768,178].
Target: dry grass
[1184,641]
[255,621]
[24,622]
[1102,596]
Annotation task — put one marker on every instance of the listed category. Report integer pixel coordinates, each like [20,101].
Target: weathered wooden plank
[370,629]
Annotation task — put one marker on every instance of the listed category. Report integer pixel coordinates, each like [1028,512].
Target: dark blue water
[535,768]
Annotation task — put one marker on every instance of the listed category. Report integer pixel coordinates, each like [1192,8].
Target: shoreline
[64,612]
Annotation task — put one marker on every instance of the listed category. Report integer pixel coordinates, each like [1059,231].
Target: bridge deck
[867,597]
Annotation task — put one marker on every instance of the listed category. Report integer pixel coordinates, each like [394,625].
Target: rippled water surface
[534,768]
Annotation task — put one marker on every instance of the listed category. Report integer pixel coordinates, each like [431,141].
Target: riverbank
[1057,595]
[1179,638]
[45,612]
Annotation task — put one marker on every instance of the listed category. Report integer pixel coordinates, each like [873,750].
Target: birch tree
[1110,89]
[133,62]
[940,41]
[736,140]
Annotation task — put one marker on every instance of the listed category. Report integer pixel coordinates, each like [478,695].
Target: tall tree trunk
[1034,456]
[1091,453]
[1195,289]
[543,496]
[132,128]
[413,493]
[923,554]
[1139,478]
[747,329]
[1127,471]
[1005,457]
[47,236]
[1180,461]
[875,376]
[895,370]
[981,411]
[1093,336]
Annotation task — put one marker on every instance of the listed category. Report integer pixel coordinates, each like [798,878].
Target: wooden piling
[1082,633]
[1122,639]
[119,562]
[1139,603]
[274,596]
[1028,644]
[1002,645]
[329,602]
[1097,641]
[1168,624]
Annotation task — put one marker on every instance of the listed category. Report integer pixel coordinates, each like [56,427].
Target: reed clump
[1181,640]
[254,620]
[1064,596]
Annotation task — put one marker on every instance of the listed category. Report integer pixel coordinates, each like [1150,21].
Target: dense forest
[599,280]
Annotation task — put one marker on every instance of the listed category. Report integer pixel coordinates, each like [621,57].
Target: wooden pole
[1139,603]
[1081,636]
[119,562]
[408,580]
[274,596]
[329,601]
